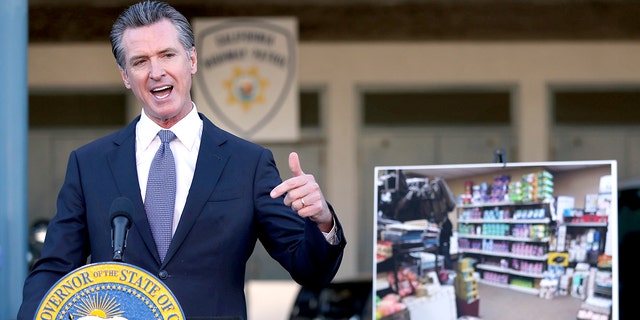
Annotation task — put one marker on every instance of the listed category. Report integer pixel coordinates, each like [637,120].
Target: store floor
[506,304]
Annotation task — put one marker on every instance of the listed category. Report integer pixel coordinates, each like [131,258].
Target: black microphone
[120,216]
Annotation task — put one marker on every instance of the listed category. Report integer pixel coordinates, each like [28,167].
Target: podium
[109,290]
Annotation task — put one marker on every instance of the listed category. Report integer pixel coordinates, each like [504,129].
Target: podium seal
[109,290]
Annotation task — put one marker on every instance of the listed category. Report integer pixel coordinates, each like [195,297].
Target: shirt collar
[147,130]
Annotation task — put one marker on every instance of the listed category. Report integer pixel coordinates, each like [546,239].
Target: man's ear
[193,56]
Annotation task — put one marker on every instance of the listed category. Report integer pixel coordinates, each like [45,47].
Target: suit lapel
[212,159]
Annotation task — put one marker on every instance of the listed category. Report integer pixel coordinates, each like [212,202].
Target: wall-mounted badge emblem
[246,72]
[116,291]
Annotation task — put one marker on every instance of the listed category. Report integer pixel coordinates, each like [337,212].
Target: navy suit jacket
[227,210]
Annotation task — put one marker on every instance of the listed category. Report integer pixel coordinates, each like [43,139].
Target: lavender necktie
[161,193]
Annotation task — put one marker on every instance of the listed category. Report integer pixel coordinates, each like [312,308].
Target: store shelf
[518,222]
[506,238]
[504,204]
[586,224]
[527,274]
[505,254]
[489,267]
[543,257]
[515,288]
[492,268]
[527,221]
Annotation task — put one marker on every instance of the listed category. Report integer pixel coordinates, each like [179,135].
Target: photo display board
[492,240]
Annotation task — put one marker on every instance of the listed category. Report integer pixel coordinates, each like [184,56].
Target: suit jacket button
[163,274]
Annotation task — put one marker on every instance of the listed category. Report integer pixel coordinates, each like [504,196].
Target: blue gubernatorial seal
[109,290]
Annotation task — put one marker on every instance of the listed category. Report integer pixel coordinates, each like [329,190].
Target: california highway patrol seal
[109,290]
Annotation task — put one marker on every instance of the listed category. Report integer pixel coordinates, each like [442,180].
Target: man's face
[159,70]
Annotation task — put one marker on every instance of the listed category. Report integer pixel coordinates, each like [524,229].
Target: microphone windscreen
[121,206]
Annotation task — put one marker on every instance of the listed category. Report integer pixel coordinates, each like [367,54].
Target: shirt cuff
[331,235]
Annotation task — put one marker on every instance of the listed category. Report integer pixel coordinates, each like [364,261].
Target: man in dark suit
[228,192]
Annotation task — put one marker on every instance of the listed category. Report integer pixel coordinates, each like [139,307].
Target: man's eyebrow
[133,58]
[164,51]
[169,49]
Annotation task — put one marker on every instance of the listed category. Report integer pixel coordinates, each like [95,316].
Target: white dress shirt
[185,152]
